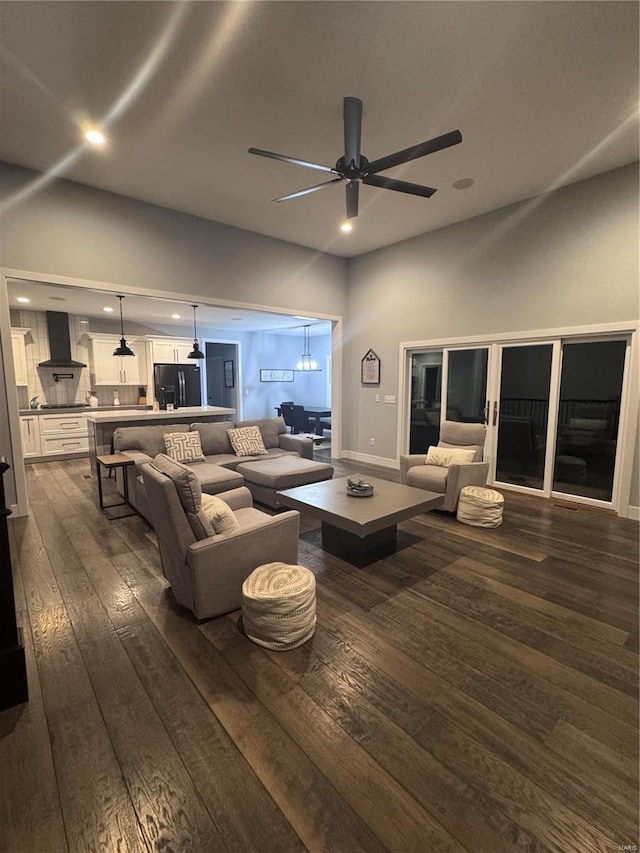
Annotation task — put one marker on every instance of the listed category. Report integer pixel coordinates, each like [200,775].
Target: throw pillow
[443,457]
[221,516]
[247,441]
[184,446]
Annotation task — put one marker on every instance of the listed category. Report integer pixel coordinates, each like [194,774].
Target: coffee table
[359,525]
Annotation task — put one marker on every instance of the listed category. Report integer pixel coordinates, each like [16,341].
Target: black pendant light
[123,349]
[195,352]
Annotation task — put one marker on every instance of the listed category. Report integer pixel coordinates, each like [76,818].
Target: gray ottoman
[279,606]
[479,506]
[265,478]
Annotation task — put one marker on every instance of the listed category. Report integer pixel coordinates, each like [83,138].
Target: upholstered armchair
[448,480]
[206,568]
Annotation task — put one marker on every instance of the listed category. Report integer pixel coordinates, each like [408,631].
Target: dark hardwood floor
[476,691]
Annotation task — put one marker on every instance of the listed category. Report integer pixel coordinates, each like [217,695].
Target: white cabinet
[172,351]
[63,434]
[108,369]
[30,430]
[19,350]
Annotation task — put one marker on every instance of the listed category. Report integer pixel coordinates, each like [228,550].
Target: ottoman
[265,478]
[279,606]
[479,506]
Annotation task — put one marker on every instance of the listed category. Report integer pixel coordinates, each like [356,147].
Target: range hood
[59,341]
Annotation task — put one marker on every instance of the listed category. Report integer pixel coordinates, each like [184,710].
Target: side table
[111,462]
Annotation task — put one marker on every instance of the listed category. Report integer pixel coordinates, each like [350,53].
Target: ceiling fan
[354,168]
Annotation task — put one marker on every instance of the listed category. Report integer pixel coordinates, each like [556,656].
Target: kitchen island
[103,424]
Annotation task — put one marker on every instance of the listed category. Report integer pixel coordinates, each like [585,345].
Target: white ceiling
[151,311]
[545,93]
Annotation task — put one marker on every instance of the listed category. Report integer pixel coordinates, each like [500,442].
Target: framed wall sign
[276,376]
[229,375]
[370,369]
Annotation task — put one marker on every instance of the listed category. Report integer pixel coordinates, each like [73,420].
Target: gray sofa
[217,472]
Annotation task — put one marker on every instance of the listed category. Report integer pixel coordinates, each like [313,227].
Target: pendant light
[123,349]
[306,363]
[195,352]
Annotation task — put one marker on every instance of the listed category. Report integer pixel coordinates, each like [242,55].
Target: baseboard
[367,459]
[634,513]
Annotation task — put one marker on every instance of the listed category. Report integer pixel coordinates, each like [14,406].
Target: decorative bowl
[361,490]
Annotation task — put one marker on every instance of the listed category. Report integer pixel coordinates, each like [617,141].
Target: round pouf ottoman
[480,507]
[279,606]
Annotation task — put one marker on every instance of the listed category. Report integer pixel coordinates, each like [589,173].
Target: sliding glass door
[523,419]
[588,418]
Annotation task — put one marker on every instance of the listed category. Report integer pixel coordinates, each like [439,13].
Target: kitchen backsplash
[40,380]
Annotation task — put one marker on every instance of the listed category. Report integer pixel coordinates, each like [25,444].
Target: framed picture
[229,375]
[370,369]
[276,376]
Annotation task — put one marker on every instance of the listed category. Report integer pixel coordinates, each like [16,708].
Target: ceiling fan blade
[352,199]
[398,186]
[308,190]
[407,154]
[352,130]
[293,160]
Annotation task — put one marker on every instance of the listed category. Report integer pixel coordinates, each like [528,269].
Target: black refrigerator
[178,381]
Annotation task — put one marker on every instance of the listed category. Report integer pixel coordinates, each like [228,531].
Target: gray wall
[76,231]
[566,259]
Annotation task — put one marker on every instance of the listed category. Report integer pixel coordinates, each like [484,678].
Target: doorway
[222,365]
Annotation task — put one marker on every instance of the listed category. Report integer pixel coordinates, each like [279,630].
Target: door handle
[495,412]
[485,413]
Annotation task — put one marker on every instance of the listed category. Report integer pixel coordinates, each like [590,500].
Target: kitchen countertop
[82,409]
[125,413]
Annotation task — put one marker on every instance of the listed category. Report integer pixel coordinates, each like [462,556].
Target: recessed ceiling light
[463,183]
[175,316]
[84,321]
[58,298]
[108,310]
[94,137]
[346,227]
[22,299]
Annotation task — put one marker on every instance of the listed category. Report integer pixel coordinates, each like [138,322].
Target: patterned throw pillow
[247,441]
[443,457]
[220,514]
[184,446]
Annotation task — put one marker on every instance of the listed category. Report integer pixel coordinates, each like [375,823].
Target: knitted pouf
[480,507]
[279,606]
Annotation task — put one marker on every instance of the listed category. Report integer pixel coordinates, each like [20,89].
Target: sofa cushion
[220,514]
[213,437]
[446,456]
[270,429]
[247,441]
[188,489]
[149,439]
[184,446]
[213,478]
[430,477]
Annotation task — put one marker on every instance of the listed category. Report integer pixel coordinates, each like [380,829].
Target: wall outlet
[389,398]
[372,442]
[377,398]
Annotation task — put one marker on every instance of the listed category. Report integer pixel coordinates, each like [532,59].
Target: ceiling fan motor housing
[352,172]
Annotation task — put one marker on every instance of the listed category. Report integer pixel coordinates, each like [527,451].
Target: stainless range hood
[59,341]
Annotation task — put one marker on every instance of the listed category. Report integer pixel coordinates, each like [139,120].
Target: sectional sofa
[217,472]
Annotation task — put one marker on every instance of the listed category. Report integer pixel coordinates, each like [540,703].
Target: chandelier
[306,364]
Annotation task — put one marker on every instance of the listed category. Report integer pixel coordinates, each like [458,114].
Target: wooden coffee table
[359,524]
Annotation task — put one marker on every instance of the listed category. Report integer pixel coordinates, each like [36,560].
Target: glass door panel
[588,417]
[525,382]
[467,385]
[426,397]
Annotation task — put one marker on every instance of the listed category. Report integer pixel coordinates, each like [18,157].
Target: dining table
[315,414]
